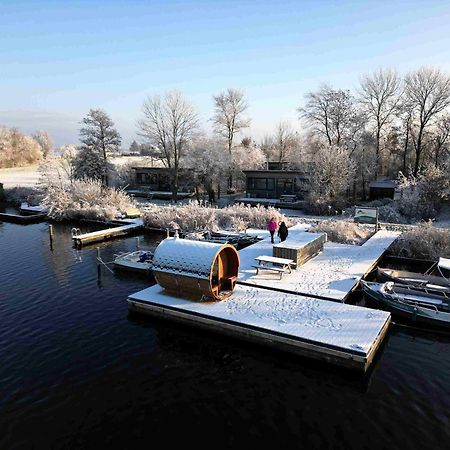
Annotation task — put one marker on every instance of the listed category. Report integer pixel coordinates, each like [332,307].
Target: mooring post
[99,272]
[50,235]
[137,242]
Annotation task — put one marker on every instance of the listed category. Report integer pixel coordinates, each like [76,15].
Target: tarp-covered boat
[138,261]
[421,305]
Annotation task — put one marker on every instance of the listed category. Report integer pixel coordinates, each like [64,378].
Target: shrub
[19,194]
[342,231]
[195,216]
[85,200]
[423,242]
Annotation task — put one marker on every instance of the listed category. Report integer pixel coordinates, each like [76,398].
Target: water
[77,371]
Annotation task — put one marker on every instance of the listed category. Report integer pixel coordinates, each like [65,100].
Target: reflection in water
[78,371]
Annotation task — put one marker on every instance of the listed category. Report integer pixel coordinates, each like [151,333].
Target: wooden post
[137,242]
[168,233]
[99,272]
[50,234]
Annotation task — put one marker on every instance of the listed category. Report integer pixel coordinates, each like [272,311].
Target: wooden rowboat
[417,304]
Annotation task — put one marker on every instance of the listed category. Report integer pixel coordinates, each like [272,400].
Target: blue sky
[60,58]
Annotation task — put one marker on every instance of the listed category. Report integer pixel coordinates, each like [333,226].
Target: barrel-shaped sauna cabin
[196,269]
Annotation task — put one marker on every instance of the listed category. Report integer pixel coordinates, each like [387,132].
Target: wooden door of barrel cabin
[196,269]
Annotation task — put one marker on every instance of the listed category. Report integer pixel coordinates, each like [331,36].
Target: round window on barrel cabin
[195,269]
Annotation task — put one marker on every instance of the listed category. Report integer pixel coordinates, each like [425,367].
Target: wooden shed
[197,269]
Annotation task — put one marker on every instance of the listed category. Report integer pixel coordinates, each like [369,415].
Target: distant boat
[426,306]
[137,261]
[222,237]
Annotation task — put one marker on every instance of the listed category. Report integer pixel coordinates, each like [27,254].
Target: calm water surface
[77,371]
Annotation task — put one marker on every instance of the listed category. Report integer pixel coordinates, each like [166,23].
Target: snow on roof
[185,257]
[386,184]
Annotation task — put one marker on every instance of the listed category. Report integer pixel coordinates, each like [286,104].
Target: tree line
[345,139]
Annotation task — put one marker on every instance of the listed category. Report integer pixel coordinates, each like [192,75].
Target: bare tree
[45,141]
[98,136]
[330,113]
[428,92]
[169,124]
[284,141]
[441,138]
[229,107]
[380,96]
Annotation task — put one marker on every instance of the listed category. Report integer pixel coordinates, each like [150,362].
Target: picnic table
[280,265]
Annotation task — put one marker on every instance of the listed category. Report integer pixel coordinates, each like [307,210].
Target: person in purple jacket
[272,227]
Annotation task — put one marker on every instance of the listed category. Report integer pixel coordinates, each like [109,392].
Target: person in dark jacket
[283,231]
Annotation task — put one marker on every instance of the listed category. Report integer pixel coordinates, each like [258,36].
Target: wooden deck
[331,275]
[109,233]
[22,219]
[336,333]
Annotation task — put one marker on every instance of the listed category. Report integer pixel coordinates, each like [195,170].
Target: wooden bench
[280,265]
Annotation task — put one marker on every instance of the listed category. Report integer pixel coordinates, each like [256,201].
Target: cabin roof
[384,184]
[186,257]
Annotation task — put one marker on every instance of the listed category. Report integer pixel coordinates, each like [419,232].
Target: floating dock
[109,233]
[331,275]
[337,333]
[22,219]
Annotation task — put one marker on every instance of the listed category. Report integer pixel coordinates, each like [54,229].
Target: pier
[22,219]
[333,274]
[124,227]
[337,333]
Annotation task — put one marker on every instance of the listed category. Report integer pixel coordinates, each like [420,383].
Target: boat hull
[411,278]
[413,313]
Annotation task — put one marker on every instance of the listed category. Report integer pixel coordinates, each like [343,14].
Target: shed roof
[186,257]
[384,184]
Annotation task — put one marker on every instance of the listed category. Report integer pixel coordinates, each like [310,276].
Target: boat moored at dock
[137,261]
[421,305]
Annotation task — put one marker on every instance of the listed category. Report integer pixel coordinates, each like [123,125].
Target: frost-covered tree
[98,138]
[134,147]
[209,160]
[45,141]
[68,154]
[246,158]
[330,113]
[169,124]
[428,93]
[331,174]
[380,97]
[285,142]
[89,165]
[228,119]
[17,149]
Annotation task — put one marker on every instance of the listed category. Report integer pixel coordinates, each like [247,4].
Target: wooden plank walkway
[337,333]
[109,233]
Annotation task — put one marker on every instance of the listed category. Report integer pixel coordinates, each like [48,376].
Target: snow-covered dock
[333,274]
[128,226]
[342,334]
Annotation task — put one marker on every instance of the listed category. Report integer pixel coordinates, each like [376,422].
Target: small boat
[138,261]
[412,278]
[235,237]
[421,305]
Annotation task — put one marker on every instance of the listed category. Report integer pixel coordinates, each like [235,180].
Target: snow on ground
[345,327]
[19,176]
[333,273]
